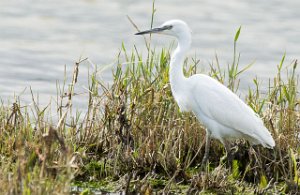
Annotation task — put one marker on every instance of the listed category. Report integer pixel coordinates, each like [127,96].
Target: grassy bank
[133,138]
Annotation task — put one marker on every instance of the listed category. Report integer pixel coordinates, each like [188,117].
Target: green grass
[133,137]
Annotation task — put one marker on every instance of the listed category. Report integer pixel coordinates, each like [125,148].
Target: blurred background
[39,38]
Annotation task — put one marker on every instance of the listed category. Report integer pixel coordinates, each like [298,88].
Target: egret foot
[228,154]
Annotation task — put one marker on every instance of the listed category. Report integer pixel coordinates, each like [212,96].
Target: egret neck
[177,78]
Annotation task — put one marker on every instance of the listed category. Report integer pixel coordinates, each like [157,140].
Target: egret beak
[155,30]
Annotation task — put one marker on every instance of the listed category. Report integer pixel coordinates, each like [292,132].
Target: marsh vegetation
[133,138]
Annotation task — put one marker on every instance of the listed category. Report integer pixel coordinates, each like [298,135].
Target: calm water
[39,37]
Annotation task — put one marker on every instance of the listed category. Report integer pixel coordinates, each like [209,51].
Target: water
[38,38]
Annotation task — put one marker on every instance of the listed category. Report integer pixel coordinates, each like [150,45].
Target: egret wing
[220,104]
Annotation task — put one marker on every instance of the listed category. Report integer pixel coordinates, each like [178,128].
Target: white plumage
[222,112]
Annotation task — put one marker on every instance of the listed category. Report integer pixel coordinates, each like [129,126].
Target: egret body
[222,112]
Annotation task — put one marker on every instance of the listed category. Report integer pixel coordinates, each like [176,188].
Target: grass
[133,138]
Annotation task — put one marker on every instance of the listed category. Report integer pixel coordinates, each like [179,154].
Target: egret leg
[228,153]
[207,146]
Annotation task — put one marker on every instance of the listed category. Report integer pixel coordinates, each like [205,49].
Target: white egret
[222,112]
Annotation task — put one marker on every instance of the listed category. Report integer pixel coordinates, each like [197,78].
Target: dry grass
[134,136]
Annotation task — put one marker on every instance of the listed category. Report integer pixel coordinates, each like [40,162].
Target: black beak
[145,32]
[154,30]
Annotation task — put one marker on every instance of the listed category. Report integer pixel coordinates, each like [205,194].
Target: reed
[133,138]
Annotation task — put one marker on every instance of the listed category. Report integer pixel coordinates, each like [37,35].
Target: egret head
[176,28]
